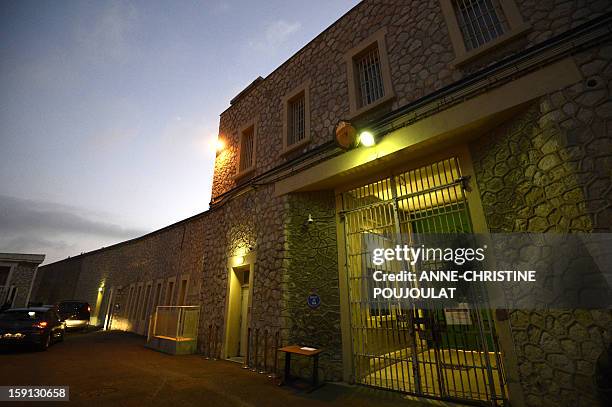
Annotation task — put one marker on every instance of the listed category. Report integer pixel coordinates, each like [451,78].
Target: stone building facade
[524,112]
[17,274]
[548,170]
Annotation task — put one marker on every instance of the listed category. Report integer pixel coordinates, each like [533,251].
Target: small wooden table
[297,350]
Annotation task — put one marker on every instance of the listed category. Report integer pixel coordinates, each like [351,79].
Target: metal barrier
[416,348]
[174,329]
[176,322]
[262,352]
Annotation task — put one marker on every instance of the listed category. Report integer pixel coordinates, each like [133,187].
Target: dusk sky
[109,109]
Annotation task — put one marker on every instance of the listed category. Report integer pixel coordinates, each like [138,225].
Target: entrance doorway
[244,320]
[238,313]
[420,349]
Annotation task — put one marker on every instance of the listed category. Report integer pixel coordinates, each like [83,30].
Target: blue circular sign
[314,300]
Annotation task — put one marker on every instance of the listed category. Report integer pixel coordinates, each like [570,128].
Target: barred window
[297,122]
[480,21]
[369,77]
[247,144]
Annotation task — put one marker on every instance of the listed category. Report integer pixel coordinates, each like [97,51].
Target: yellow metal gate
[441,353]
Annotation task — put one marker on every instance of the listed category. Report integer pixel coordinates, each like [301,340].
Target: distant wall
[57,281]
[171,252]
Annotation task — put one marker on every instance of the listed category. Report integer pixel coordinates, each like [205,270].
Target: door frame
[241,260]
[479,225]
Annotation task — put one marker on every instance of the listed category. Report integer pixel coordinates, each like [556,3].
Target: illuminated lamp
[367,139]
[219,146]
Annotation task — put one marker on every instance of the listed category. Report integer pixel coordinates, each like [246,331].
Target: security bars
[397,345]
[369,76]
[246,149]
[480,21]
[297,123]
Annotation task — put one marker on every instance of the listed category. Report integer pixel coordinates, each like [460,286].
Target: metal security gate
[449,353]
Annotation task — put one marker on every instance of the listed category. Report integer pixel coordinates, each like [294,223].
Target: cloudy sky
[108,109]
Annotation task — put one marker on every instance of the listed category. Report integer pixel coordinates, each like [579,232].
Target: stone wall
[550,170]
[251,224]
[291,260]
[312,268]
[419,54]
[232,233]
[21,278]
[57,281]
[534,180]
[169,252]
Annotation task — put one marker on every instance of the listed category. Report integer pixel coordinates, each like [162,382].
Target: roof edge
[23,257]
[133,240]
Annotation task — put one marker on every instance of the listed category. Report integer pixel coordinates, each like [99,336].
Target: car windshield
[21,315]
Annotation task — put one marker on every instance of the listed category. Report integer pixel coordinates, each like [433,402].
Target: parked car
[75,313]
[39,326]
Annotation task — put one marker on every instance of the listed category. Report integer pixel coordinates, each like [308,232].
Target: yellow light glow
[219,145]
[239,260]
[367,139]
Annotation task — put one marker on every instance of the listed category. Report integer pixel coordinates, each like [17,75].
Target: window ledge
[293,147]
[371,106]
[244,173]
[490,46]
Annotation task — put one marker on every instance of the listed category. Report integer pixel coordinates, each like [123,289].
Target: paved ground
[114,369]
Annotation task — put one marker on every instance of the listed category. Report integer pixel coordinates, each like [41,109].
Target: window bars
[297,123]
[480,21]
[369,76]
[247,149]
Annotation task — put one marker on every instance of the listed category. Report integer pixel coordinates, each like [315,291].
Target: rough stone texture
[532,181]
[550,170]
[290,262]
[47,290]
[312,267]
[21,278]
[251,222]
[169,252]
[546,170]
[419,52]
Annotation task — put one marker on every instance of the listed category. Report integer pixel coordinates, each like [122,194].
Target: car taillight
[41,324]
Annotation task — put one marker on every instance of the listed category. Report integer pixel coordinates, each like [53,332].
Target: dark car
[75,313]
[39,326]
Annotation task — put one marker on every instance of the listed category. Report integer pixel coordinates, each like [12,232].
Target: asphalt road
[115,369]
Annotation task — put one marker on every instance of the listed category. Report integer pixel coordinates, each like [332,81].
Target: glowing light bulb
[219,145]
[367,139]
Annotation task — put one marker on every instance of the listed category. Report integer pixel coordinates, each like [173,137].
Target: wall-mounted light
[219,146]
[367,139]
[239,260]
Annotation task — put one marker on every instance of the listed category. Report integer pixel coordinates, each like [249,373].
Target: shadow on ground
[115,369]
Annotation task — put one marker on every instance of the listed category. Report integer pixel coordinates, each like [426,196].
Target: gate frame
[479,225]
